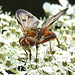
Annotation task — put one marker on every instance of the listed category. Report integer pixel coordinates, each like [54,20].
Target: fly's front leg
[36,60]
[29,54]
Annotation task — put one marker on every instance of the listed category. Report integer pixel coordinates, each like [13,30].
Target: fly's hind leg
[51,50]
[59,45]
[52,54]
[58,42]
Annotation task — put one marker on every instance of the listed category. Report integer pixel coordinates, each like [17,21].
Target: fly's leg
[29,54]
[59,45]
[58,42]
[36,60]
[52,54]
[51,50]
[36,54]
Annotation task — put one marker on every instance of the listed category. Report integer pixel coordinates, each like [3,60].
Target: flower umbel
[14,59]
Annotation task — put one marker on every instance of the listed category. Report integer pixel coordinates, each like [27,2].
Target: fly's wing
[52,19]
[26,20]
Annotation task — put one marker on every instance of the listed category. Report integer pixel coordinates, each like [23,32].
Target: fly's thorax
[32,33]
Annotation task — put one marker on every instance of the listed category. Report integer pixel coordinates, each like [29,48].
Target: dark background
[33,6]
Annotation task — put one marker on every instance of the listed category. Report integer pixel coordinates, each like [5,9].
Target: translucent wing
[26,20]
[52,19]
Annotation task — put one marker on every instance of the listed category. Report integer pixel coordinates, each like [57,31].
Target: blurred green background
[33,6]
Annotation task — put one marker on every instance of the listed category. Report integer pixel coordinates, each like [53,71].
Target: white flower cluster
[12,56]
[64,28]
[13,59]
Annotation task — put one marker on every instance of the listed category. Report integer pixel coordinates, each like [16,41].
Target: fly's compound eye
[31,40]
